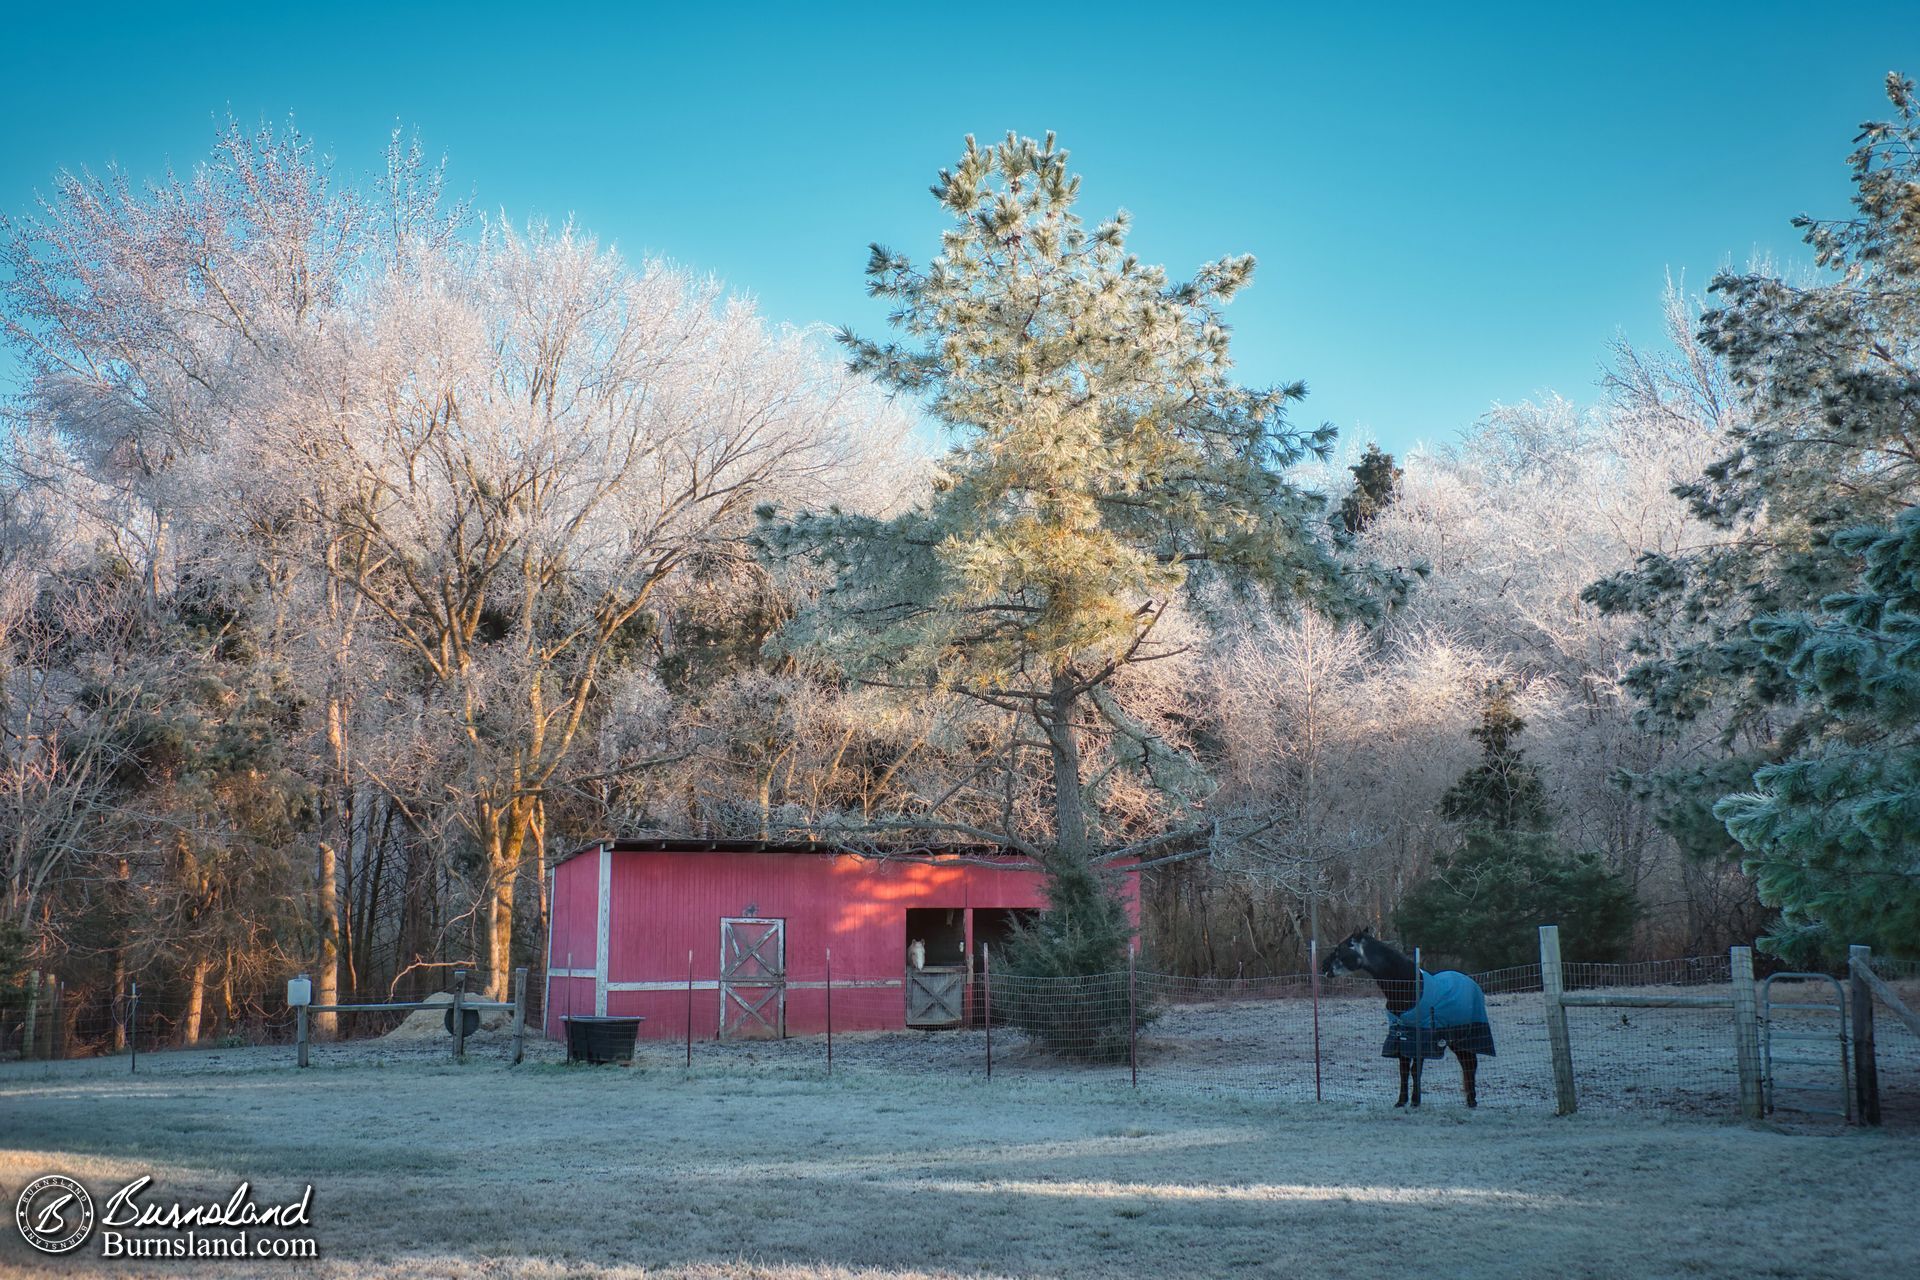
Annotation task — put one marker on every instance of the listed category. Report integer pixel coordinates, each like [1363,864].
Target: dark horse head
[1361,952]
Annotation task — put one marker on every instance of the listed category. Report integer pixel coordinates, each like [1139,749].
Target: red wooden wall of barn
[664,904]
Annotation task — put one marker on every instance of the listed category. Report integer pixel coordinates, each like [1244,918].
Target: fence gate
[753,978]
[1819,1029]
[936,995]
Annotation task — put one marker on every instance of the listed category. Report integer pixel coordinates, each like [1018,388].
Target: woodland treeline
[360,555]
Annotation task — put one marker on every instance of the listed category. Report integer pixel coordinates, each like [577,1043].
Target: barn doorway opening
[937,984]
[942,930]
[992,926]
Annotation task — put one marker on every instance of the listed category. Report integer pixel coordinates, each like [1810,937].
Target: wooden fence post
[519,1015]
[300,1036]
[29,1034]
[1866,1071]
[1552,979]
[829,1010]
[133,1027]
[1746,1031]
[460,1014]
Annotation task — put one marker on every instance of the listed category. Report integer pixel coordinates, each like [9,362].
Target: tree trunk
[1069,802]
[326,983]
[229,1013]
[500,934]
[506,831]
[123,872]
[538,830]
[196,1003]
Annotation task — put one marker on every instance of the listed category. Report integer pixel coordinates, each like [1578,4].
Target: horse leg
[1419,1069]
[1469,1064]
[1406,1071]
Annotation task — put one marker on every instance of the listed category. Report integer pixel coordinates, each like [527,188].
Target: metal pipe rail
[456,1008]
[400,1006]
[1604,1000]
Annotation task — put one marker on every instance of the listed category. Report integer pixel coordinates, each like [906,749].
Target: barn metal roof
[662,844]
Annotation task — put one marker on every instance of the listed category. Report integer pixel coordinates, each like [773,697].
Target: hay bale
[431,1024]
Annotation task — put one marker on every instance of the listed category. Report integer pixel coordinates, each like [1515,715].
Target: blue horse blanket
[1452,1013]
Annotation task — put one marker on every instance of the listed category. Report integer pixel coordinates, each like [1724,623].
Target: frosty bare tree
[441,482]
[61,742]
[1336,745]
[541,438]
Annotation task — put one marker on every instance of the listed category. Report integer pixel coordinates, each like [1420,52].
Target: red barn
[754,921]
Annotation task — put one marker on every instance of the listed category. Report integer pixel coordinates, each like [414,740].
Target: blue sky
[1449,208]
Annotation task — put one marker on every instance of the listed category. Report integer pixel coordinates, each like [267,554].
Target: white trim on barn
[713,985]
[546,982]
[605,936]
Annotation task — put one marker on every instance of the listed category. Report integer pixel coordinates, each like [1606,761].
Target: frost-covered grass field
[752,1167]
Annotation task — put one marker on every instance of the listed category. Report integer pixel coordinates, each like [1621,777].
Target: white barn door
[753,978]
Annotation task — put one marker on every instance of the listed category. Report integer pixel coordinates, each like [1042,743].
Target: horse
[1426,1013]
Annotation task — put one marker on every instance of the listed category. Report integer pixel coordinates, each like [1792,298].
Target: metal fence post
[829,1010]
[1419,1040]
[1866,1071]
[519,1015]
[986,987]
[460,1015]
[1133,1019]
[1313,982]
[56,1022]
[1552,980]
[689,1009]
[1746,1032]
[133,1027]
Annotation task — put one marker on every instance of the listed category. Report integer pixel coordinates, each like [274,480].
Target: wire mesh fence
[1283,1037]
[1286,1037]
[46,1021]
[1897,1047]
[1289,1037]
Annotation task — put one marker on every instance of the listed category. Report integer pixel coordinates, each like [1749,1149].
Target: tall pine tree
[1105,466]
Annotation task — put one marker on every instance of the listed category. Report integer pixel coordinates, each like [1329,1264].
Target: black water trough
[601,1039]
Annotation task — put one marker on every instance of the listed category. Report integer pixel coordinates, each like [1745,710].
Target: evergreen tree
[1769,625]
[1375,482]
[1068,980]
[1508,876]
[1833,829]
[1503,792]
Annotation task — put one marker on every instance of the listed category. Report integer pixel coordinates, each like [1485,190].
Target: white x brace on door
[753,978]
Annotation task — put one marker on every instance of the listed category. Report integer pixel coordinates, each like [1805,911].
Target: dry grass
[756,1169]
